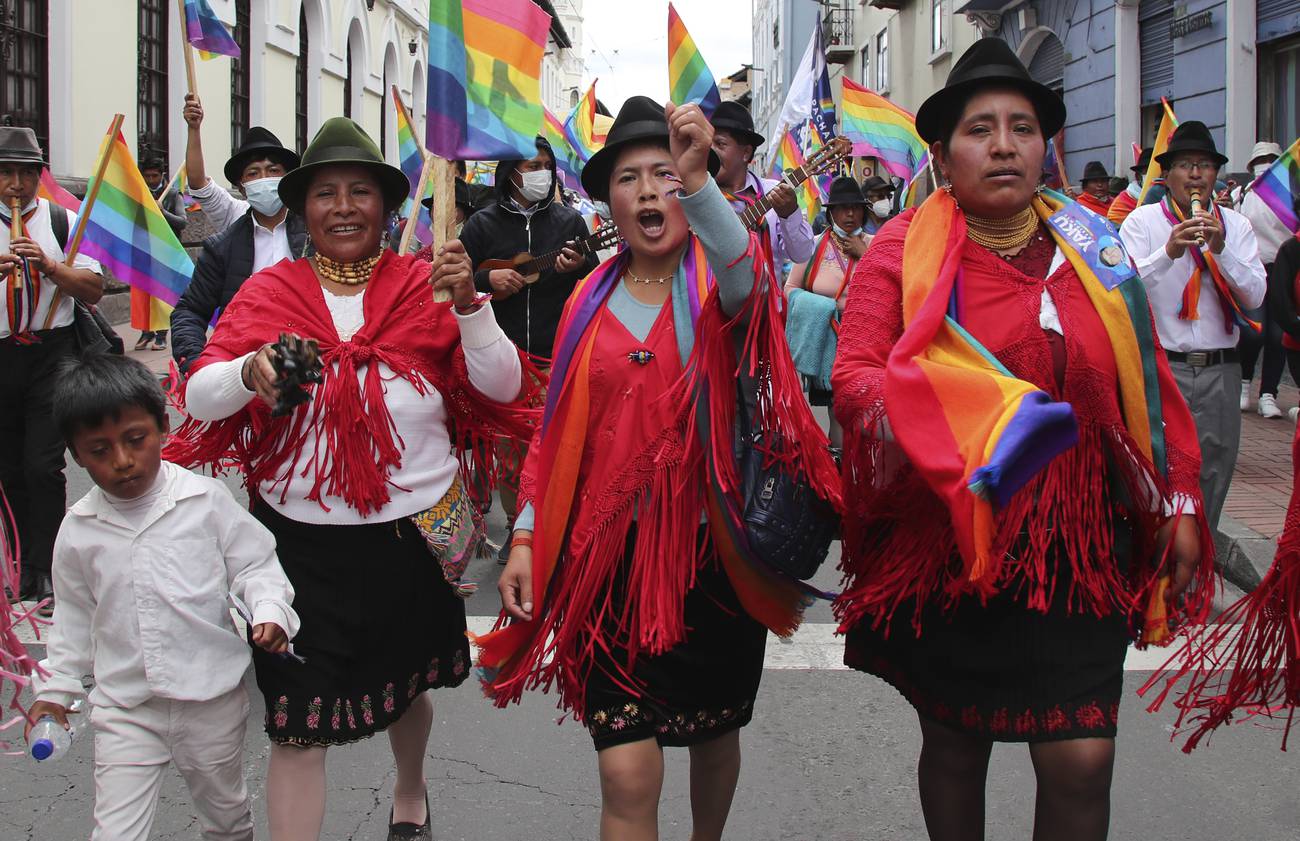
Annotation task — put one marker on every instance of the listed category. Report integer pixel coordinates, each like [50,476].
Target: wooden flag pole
[408,232]
[443,212]
[189,51]
[74,243]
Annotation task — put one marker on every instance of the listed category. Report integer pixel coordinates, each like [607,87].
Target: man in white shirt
[35,336]
[254,234]
[1202,272]
[1270,233]
[735,141]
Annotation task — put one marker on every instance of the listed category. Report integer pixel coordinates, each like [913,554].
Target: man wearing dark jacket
[526,218]
[261,236]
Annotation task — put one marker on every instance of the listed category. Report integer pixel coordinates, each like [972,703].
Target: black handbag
[787,525]
[93,332]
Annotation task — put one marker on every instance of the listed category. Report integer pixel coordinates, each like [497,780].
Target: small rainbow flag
[789,156]
[566,160]
[1279,186]
[50,190]
[1168,122]
[485,67]
[881,129]
[411,161]
[206,33]
[126,232]
[580,128]
[689,79]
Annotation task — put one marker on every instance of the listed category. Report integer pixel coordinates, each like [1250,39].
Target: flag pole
[421,187]
[188,49]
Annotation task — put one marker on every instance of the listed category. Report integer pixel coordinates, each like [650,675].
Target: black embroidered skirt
[1001,671]
[380,625]
[701,689]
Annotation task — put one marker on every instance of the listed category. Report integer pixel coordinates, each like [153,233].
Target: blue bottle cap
[42,749]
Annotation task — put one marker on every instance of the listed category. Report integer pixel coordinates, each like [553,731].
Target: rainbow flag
[50,190]
[485,67]
[481,172]
[880,129]
[689,79]
[126,232]
[1168,122]
[411,161]
[566,160]
[580,128]
[789,156]
[206,33]
[1279,186]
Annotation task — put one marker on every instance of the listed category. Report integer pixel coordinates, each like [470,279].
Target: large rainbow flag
[689,79]
[1280,185]
[581,127]
[411,161]
[881,129]
[126,232]
[566,160]
[1168,122]
[206,33]
[485,67]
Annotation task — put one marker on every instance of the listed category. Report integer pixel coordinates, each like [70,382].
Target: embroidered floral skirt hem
[701,689]
[1000,671]
[380,625]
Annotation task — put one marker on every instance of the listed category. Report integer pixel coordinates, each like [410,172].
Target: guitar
[818,162]
[606,236]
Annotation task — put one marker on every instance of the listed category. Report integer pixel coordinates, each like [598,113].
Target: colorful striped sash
[1204,261]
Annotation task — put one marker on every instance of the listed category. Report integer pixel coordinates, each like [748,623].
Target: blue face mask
[264,195]
[841,232]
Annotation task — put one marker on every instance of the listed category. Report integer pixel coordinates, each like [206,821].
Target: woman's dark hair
[90,389]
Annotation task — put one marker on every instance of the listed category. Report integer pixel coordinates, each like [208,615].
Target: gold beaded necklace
[345,274]
[1003,234]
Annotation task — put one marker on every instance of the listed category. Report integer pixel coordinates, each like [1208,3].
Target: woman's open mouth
[651,222]
[1005,172]
[344,230]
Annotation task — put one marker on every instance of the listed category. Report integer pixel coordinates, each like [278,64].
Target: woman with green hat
[1021,472]
[624,587]
[360,485]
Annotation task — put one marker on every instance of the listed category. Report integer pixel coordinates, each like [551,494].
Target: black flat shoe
[402,831]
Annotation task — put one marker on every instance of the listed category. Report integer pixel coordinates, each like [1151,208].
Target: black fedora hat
[18,146]
[462,198]
[341,141]
[844,190]
[988,63]
[640,118]
[1094,171]
[258,143]
[1144,160]
[735,118]
[1191,136]
[875,182]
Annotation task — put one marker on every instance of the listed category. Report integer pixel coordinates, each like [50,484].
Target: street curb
[1242,554]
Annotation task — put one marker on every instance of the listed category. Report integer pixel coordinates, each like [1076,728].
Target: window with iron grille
[151,78]
[300,84]
[240,77]
[24,51]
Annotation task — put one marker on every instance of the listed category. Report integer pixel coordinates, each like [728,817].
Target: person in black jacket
[1284,301]
[526,218]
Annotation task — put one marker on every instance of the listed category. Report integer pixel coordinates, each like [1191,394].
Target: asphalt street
[830,755]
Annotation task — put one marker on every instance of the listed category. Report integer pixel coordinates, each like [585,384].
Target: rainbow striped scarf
[1204,261]
[975,432]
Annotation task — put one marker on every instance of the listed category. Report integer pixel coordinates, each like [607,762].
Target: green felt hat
[341,141]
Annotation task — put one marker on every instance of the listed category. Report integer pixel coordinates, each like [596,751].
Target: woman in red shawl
[1017,456]
[624,587]
[361,485]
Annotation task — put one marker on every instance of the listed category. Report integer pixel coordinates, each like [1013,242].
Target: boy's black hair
[89,389]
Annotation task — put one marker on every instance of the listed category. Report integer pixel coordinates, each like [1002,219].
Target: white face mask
[264,195]
[535,186]
[880,209]
[843,233]
[1260,169]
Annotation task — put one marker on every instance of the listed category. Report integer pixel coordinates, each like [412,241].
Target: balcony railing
[837,35]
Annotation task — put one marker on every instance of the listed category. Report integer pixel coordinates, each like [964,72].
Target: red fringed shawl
[404,329]
[899,545]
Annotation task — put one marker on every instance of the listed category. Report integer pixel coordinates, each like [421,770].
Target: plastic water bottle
[48,741]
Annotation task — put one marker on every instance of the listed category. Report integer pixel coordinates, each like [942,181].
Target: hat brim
[748,137]
[234,168]
[6,158]
[1047,105]
[1166,158]
[392,181]
[845,203]
[596,172]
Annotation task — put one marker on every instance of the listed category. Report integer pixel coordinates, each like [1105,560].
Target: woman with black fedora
[816,291]
[1202,272]
[1019,467]
[360,484]
[1094,188]
[621,590]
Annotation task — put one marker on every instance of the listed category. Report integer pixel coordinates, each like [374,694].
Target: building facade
[75,63]
[781,32]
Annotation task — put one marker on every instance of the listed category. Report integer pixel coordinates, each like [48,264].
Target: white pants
[205,739]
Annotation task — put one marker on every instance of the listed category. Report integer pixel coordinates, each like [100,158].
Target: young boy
[143,566]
